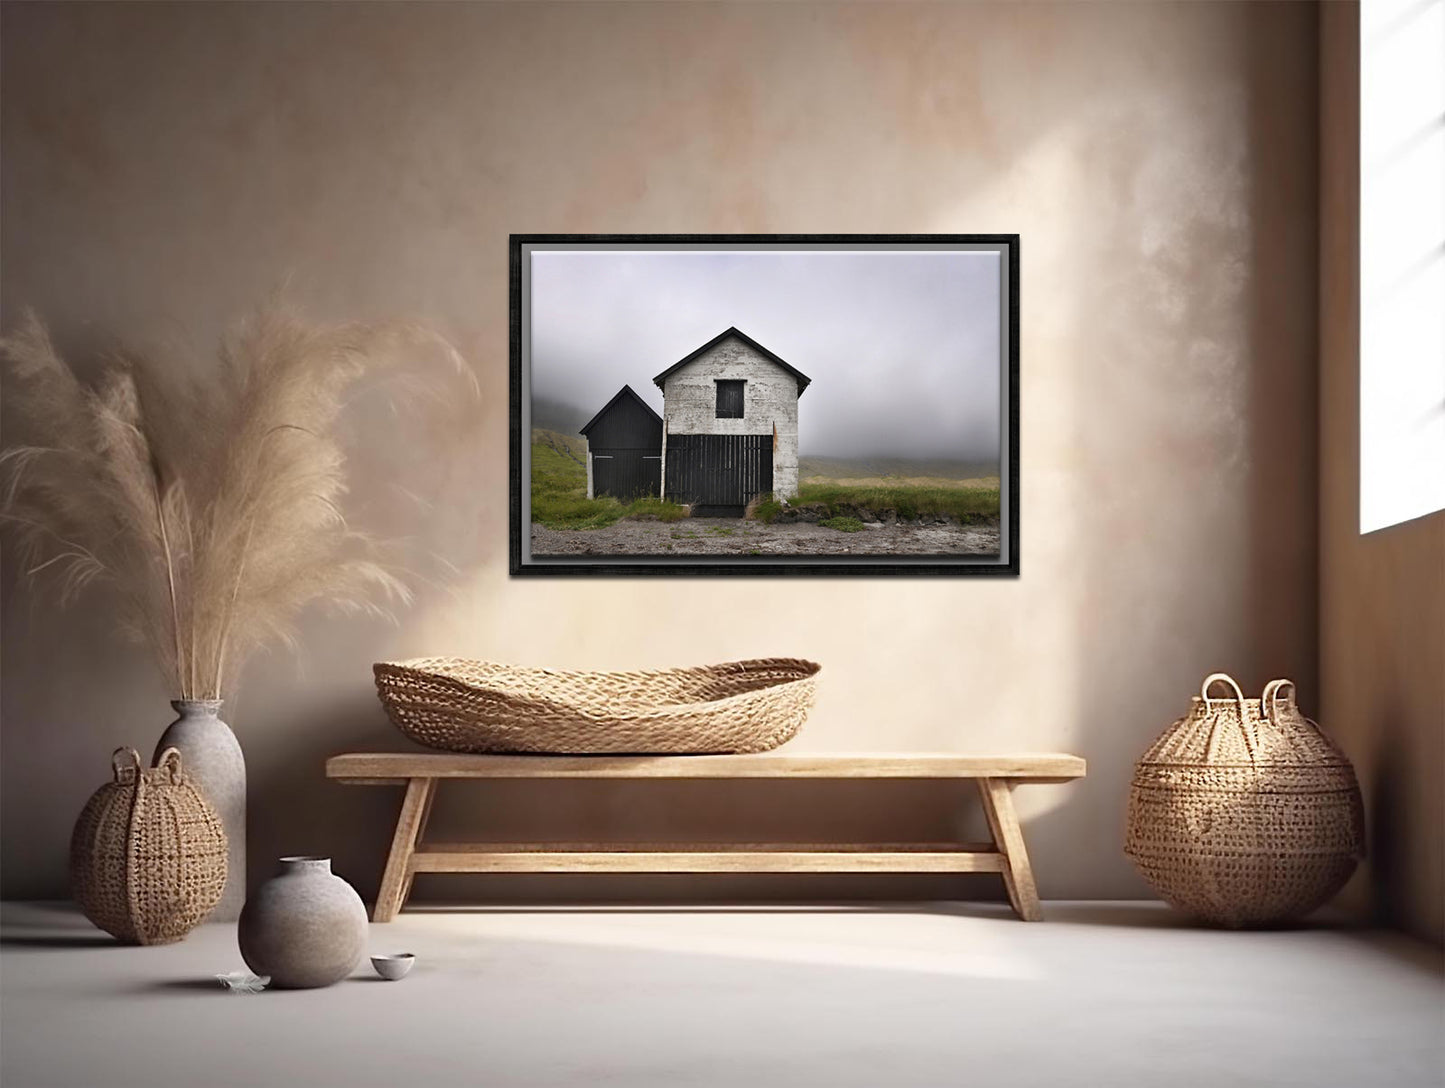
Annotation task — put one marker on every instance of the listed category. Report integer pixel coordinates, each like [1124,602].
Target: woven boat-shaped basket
[148,854]
[1243,813]
[476,706]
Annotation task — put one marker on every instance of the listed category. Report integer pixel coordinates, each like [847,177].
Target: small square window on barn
[729,399]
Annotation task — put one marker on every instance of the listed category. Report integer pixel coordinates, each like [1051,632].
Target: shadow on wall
[294,809]
[1282,447]
[1384,828]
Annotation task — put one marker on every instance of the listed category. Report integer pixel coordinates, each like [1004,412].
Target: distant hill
[572,446]
[549,414]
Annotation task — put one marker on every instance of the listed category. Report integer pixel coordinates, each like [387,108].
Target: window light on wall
[1402,260]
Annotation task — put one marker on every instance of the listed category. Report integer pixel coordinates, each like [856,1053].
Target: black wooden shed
[624,449]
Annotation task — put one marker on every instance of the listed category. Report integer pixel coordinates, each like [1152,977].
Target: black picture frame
[523,565]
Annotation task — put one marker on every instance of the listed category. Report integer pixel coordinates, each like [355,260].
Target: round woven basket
[148,855]
[1243,813]
[477,706]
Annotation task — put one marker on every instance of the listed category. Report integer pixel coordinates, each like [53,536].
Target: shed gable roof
[802,379]
[625,391]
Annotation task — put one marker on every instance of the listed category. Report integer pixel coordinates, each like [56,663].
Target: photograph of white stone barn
[896,453]
[728,433]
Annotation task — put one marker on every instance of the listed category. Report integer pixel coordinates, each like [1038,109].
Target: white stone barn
[730,425]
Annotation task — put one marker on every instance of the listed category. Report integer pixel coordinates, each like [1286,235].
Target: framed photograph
[765,404]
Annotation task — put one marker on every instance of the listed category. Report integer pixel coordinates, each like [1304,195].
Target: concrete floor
[1115,995]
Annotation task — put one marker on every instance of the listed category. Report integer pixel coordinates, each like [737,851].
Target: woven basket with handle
[148,855]
[477,706]
[1243,813]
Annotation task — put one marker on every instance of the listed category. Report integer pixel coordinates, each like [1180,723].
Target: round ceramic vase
[213,761]
[305,927]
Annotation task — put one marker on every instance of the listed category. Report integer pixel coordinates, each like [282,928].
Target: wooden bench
[420,772]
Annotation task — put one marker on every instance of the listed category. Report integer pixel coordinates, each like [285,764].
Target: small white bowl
[393,966]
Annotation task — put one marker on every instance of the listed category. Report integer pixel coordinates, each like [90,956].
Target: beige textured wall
[1382,595]
[164,166]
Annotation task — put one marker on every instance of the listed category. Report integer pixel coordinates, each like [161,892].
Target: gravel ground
[735,536]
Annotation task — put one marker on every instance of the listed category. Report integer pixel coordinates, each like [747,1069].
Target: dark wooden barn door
[719,474]
[626,474]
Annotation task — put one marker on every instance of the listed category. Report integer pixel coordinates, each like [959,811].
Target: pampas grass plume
[211,504]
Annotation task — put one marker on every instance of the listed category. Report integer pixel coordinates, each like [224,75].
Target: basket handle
[1244,726]
[127,770]
[1270,697]
[170,761]
[1221,678]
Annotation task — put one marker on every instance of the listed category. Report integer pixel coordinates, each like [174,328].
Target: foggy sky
[902,347]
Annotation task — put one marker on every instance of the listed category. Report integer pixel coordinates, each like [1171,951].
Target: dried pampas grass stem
[213,505]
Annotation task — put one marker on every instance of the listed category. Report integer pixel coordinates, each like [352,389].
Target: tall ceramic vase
[214,763]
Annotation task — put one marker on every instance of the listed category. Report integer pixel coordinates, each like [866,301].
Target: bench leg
[431,795]
[1008,837]
[396,880]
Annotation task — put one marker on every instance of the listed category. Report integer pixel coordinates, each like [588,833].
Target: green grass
[656,508]
[559,493]
[559,496]
[843,525]
[766,509]
[963,503]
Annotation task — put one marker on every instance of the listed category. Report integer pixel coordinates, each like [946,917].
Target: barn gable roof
[625,391]
[802,379]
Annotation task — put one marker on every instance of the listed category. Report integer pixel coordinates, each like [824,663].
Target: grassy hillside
[878,486]
[894,471]
[835,502]
[571,447]
[559,488]
[907,502]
